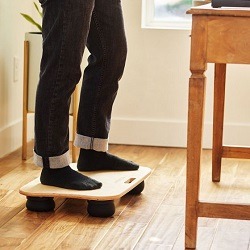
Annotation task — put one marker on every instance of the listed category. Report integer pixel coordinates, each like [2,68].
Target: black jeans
[69,26]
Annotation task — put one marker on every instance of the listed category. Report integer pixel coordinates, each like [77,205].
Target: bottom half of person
[51,151]
[99,90]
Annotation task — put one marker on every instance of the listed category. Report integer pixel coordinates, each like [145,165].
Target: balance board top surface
[115,184]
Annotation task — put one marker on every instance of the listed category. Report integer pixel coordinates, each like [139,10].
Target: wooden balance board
[115,184]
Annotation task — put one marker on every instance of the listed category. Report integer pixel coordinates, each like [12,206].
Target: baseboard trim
[170,133]
[148,132]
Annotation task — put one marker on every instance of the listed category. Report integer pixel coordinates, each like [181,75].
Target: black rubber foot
[40,204]
[101,209]
[138,189]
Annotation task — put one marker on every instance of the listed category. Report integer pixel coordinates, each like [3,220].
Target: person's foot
[68,178]
[90,160]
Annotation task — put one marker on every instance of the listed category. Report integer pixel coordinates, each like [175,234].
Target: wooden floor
[153,220]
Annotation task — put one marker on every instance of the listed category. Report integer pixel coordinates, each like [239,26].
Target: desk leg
[25,99]
[197,85]
[218,119]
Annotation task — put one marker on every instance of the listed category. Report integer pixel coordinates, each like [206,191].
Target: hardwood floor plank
[127,230]
[3,193]
[176,194]
[235,234]
[13,160]
[205,238]
[234,226]
[22,223]
[153,246]
[231,240]
[16,178]
[9,243]
[168,220]
[7,165]
[143,155]
[90,230]
[239,193]
[11,204]
[52,232]
[164,227]
[152,220]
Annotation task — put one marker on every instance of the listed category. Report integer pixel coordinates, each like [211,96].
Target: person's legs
[107,45]
[65,30]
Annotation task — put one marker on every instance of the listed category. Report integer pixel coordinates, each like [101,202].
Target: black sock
[90,160]
[68,178]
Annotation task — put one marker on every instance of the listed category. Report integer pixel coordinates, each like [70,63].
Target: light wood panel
[115,184]
[225,40]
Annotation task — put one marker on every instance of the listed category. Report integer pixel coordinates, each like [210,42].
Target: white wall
[12,31]
[151,107]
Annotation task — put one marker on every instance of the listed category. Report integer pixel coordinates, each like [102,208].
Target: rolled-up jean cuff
[97,144]
[53,162]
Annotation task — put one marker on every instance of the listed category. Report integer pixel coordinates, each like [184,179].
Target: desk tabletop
[207,9]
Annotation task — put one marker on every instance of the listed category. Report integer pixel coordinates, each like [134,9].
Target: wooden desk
[218,36]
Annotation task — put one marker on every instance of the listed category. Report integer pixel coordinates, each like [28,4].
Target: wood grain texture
[226,211]
[220,37]
[134,220]
[197,84]
[228,40]
[115,184]
[218,118]
[153,220]
[235,152]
